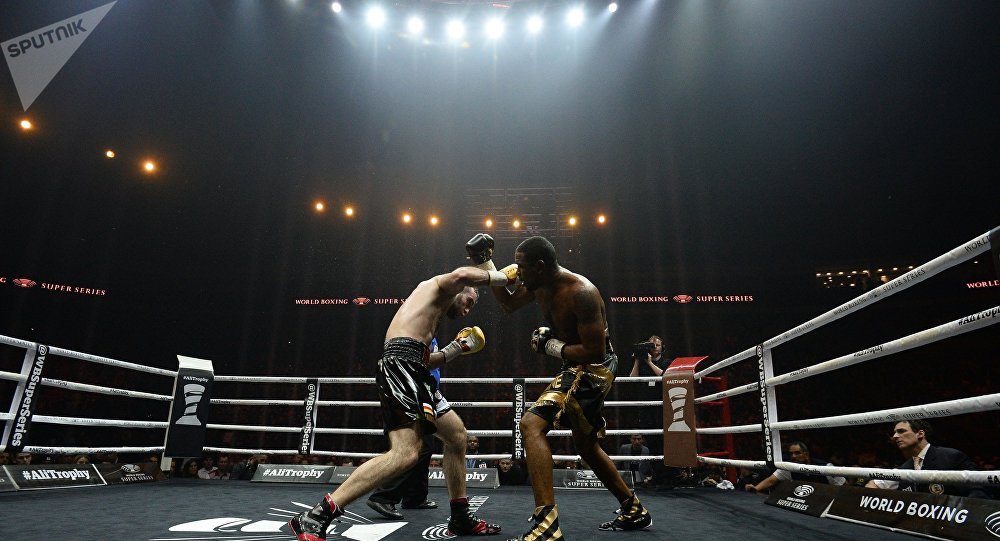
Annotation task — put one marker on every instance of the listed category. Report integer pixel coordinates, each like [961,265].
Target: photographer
[649,356]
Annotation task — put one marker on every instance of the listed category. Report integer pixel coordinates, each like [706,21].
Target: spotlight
[336,7]
[488,222]
[26,125]
[149,166]
[375,17]
[415,25]
[407,218]
[433,220]
[109,153]
[516,223]
[319,206]
[348,211]
[601,219]
[455,30]
[494,28]
[575,17]
[571,221]
[613,7]
[535,24]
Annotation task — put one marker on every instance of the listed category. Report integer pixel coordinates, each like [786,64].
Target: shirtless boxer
[408,405]
[577,335]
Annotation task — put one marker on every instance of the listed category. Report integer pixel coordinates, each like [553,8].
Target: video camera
[641,349]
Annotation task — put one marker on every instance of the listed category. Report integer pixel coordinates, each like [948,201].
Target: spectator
[4,459]
[189,469]
[510,473]
[208,469]
[244,470]
[799,454]
[81,459]
[23,459]
[642,470]
[912,438]
[435,463]
[472,449]
[347,462]
[224,468]
[747,477]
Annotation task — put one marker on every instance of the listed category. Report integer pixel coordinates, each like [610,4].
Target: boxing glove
[503,277]
[480,250]
[468,341]
[542,342]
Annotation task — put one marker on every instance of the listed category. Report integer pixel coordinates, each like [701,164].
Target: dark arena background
[262,183]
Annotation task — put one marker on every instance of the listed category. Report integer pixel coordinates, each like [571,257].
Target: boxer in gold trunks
[408,403]
[576,335]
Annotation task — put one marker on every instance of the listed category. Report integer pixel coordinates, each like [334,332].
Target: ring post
[22,407]
[189,409]
[680,442]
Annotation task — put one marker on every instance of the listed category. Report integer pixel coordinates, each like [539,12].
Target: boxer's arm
[453,282]
[507,300]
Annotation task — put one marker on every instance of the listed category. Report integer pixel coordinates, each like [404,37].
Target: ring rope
[34,449]
[959,326]
[943,262]
[959,406]
[962,325]
[295,379]
[13,376]
[111,362]
[54,419]
[739,429]
[103,390]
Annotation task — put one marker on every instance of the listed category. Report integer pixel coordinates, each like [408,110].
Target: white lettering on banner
[195,378]
[796,504]
[24,411]
[915,509]
[48,475]
[985,314]
[292,473]
[36,57]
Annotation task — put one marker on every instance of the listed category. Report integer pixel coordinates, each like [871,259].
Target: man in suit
[913,440]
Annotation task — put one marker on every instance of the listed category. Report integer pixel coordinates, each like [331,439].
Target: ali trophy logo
[192,397]
[678,395]
[348,526]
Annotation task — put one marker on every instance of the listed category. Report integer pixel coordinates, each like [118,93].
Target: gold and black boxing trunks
[406,387]
[575,398]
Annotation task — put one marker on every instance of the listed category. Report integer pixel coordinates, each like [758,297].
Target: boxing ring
[704,513]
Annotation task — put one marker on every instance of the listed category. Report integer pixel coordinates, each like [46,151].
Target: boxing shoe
[545,527]
[631,516]
[311,525]
[463,520]
[387,510]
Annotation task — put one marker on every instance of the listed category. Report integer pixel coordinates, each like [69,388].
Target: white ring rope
[13,376]
[295,379]
[53,419]
[958,255]
[962,325]
[103,390]
[110,362]
[34,449]
[947,408]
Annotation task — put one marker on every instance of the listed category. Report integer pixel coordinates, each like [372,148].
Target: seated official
[912,439]
[799,454]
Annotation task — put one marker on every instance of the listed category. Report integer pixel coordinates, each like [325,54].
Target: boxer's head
[463,302]
[535,259]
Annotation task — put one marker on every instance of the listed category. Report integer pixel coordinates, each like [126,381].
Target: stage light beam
[535,24]
[375,17]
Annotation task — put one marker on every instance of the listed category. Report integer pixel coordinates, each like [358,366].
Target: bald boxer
[408,404]
[576,334]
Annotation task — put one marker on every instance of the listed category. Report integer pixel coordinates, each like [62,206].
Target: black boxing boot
[463,520]
[545,527]
[311,525]
[631,516]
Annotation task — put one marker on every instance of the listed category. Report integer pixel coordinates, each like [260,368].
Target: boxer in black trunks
[579,338]
[406,394]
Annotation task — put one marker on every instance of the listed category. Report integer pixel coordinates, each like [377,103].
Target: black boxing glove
[480,250]
[542,342]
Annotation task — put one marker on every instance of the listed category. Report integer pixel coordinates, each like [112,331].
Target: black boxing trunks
[406,387]
[575,398]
